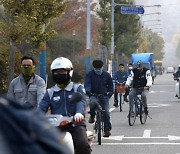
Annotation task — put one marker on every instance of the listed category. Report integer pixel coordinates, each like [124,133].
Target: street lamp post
[88,36]
[113,5]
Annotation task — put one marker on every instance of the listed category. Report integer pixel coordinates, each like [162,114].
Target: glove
[78,117]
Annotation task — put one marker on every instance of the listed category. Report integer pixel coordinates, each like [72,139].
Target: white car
[170,70]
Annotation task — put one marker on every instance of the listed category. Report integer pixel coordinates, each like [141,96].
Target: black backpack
[27,131]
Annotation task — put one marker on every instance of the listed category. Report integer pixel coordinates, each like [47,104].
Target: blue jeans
[104,102]
[134,93]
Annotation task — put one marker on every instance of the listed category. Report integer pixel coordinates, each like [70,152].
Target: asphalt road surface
[160,135]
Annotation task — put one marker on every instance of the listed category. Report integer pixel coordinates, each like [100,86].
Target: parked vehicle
[170,69]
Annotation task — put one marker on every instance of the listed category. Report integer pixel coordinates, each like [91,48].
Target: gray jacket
[30,93]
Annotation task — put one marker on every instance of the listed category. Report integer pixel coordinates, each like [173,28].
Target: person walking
[99,82]
[28,88]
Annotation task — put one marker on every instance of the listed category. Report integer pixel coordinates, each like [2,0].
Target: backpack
[27,131]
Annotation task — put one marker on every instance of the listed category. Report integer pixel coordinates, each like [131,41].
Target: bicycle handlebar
[121,83]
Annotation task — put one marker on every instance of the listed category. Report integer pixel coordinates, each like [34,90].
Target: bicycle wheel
[120,102]
[143,116]
[132,114]
[98,118]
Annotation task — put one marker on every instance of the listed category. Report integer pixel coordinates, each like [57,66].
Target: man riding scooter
[177,86]
[58,99]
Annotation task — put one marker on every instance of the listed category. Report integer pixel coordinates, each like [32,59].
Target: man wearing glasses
[28,88]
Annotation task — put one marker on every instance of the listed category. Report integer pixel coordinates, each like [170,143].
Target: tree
[127,31]
[104,13]
[25,19]
[154,43]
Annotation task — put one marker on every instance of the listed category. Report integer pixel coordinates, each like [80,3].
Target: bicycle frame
[120,89]
[99,123]
[136,109]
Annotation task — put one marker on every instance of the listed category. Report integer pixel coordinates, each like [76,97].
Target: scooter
[177,87]
[63,122]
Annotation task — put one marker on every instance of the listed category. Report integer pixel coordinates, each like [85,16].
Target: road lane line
[152,143]
[111,109]
[147,133]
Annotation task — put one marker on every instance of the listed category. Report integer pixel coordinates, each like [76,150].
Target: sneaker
[146,110]
[115,105]
[91,119]
[106,133]
[125,99]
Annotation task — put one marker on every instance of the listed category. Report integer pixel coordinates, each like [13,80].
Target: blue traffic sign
[132,10]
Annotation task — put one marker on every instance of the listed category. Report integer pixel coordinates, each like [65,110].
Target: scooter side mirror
[76,97]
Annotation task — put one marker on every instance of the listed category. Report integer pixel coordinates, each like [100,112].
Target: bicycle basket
[120,88]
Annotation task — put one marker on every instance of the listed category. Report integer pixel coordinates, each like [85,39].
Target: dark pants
[80,140]
[134,93]
[104,102]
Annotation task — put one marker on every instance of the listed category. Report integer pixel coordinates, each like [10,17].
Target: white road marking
[169,137]
[147,133]
[151,143]
[111,109]
[158,105]
[152,92]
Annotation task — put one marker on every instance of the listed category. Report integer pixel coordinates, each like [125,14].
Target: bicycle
[120,89]
[136,109]
[99,123]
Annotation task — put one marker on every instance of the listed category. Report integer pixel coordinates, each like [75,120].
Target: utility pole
[42,58]
[128,9]
[88,37]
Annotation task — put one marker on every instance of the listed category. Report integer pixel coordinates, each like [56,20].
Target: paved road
[161,134]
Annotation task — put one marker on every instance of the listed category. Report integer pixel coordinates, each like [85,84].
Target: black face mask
[61,78]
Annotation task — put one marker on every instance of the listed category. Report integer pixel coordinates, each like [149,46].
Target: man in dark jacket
[177,74]
[98,82]
[140,78]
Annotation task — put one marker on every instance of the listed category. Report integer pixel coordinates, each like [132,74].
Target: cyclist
[176,76]
[121,76]
[130,67]
[98,81]
[140,77]
[57,98]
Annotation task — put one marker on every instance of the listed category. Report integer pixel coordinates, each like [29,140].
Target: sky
[169,20]
[170,15]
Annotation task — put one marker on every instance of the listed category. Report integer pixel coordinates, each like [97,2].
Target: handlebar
[120,83]
[97,95]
